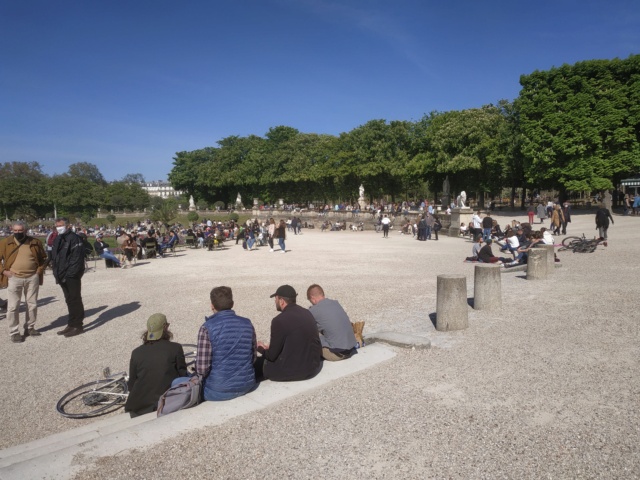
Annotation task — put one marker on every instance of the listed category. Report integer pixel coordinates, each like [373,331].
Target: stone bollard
[551,258]
[487,287]
[537,264]
[451,306]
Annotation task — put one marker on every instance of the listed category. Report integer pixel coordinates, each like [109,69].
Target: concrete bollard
[537,264]
[551,258]
[487,287]
[451,305]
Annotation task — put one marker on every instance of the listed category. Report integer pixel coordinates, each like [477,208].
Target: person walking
[23,261]
[531,212]
[281,234]
[602,223]
[68,269]
[542,213]
[271,230]
[566,213]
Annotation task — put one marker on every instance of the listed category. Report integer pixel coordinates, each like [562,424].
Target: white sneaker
[271,250]
[282,251]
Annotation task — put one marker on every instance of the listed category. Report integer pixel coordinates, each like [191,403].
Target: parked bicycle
[104,395]
[580,244]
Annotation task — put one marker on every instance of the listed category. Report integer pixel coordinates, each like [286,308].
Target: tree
[193,216]
[22,186]
[136,178]
[581,124]
[165,213]
[466,146]
[87,171]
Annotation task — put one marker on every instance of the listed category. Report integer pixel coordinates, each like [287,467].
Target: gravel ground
[547,387]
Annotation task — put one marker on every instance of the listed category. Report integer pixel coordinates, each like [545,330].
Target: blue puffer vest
[232,371]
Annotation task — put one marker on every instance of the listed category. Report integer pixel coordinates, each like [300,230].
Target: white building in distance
[161,189]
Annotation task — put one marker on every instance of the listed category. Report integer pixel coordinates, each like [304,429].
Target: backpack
[184,395]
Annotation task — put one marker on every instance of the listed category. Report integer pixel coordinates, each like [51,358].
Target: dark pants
[385,230]
[72,289]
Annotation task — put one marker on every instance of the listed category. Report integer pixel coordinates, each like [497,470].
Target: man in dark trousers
[67,257]
[295,351]
[602,223]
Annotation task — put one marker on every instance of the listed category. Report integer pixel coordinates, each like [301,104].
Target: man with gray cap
[295,352]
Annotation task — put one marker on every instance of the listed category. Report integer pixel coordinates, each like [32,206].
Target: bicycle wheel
[568,240]
[93,399]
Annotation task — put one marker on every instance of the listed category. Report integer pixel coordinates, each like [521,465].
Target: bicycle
[580,244]
[105,395]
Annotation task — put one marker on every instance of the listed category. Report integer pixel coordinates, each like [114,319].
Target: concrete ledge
[63,455]
[399,340]
[523,268]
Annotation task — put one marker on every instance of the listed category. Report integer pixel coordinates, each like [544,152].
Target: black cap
[286,291]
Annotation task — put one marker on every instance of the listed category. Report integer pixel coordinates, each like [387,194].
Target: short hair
[315,290]
[62,219]
[222,298]
[288,300]
[20,223]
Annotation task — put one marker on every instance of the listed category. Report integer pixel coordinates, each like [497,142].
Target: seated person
[522,252]
[463,229]
[336,333]
[226,350]
[477,245]
[512,242]
[153,366]
[547,238]
[169,244]
[295,351]
[102,250]
[150,243]
[485,255]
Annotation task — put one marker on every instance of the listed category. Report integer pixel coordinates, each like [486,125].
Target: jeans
[72,289]
[17,287]
[110,256]
[427,233]
[281,243]
[250,242]
[486,234]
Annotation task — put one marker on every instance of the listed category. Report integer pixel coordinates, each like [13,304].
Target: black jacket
[67,257]
[295,351]
[152,368]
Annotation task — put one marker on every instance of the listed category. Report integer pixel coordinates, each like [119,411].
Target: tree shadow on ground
[64,320]
[112,313]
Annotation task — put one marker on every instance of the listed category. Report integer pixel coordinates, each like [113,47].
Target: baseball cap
[155,326]
[285,291]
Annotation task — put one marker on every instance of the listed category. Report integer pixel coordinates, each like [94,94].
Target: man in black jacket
[68,267]
[295,351]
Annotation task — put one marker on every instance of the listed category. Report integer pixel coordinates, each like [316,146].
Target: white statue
[462,198]
[192,204]
[361,190]
[238,199]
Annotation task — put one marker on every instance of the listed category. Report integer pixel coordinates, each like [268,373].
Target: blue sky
[127,84]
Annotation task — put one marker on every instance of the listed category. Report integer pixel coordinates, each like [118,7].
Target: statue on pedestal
[361,201]
[238,201]
[461,200]
[192,204]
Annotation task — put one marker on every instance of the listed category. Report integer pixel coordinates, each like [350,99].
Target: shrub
[234,216]
[193,216]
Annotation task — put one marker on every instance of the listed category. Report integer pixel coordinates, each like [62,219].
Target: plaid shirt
[205,351]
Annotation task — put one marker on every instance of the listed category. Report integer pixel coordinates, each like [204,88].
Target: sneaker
[605,244]
[17,338]
[282,251]
[32,332]
[74,331]
[271,250]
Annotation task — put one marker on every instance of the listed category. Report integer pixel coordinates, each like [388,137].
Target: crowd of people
[230,361]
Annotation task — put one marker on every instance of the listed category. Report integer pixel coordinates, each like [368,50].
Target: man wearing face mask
[23,260]
[67,257]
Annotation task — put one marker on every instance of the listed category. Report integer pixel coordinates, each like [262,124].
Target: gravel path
[546,387]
